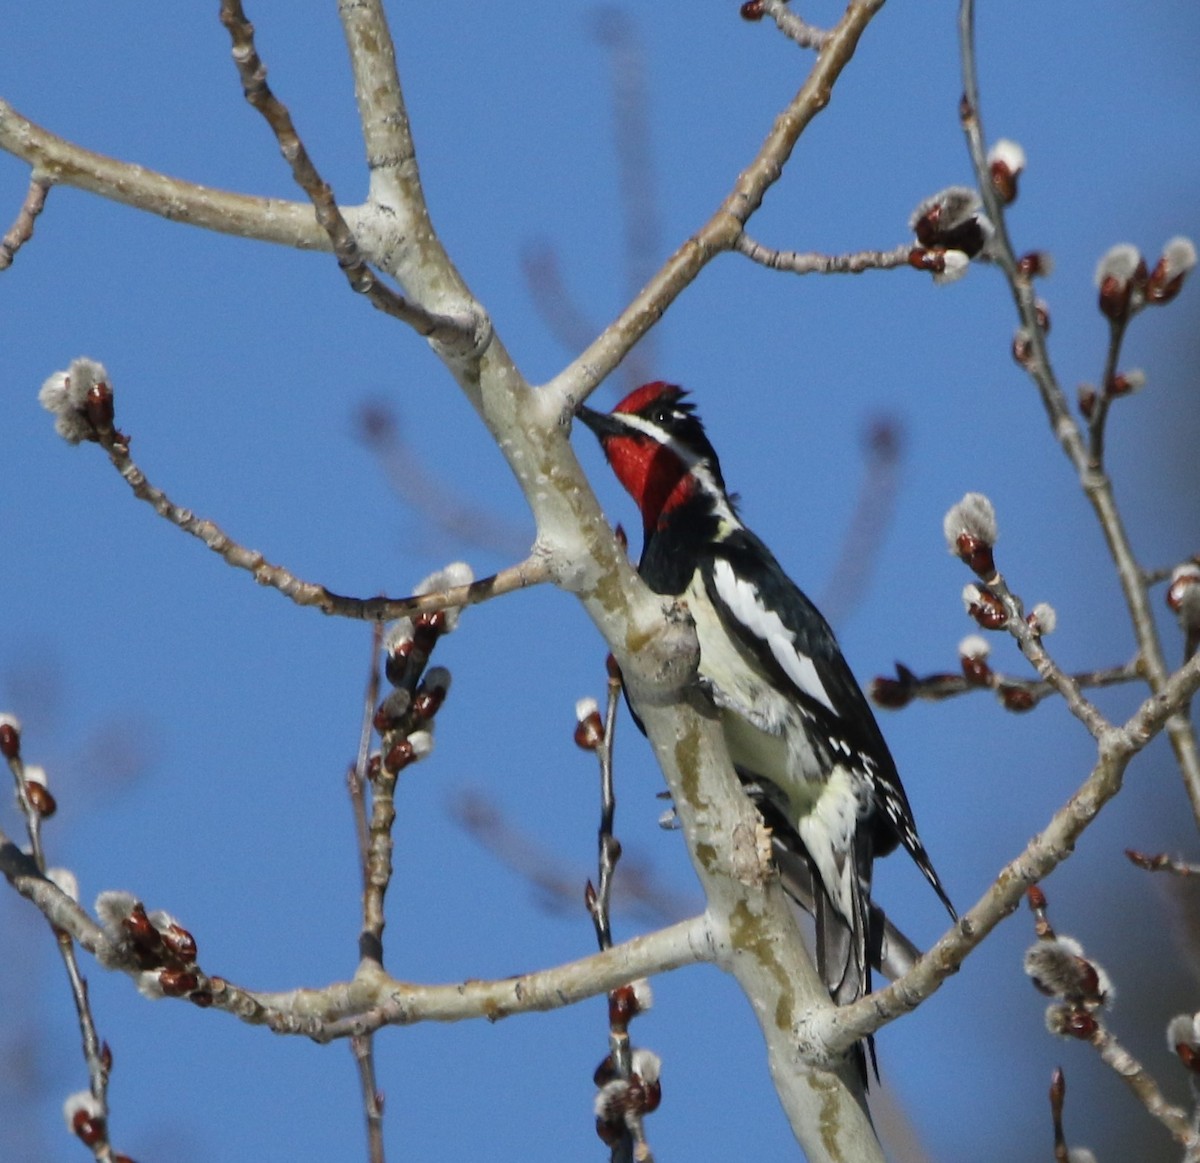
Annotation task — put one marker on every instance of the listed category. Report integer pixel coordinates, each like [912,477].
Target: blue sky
[240,370]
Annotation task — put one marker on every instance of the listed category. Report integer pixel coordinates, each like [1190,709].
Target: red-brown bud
[106,1058]
[1033,264]
[612,669]
[88,1127]
[201,997]
[179,942]
[891,692]
[40,798]
[399,757]
[1022,348]
[977,553]
[177,982]
[589,732]
[752,10]
[428,702]
[1189,1056]
[1015,698]
[976,670]
[1176,592]
[1087,401]
[1036,897]
[988,610]
[1004,181]
[622,1007]
[144,935]
[99,406]
[10,741]
[1080,1023]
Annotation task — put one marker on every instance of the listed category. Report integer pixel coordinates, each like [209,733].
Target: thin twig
[1097,421]
[1095,483]
[1058,1096]
[94,1054]
[803,33]
[1161,862]
[840,1028]
[1031,646]
[533,571]
[802,263]
[1018,694]
[357,780]
[451,330]
[1144,1088]
[362,1045]
[722,230]
[21,230]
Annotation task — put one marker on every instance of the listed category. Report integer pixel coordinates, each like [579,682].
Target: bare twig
[35,802]
[722,230]
[1161,862]
[1095,483]
[1144,1087]
[803,33]
[21,230]
[799,263]
[362,1045]
[451,330]
[357,778]
[1017,694]
[1097,421]
[533,571]
[1058,1095]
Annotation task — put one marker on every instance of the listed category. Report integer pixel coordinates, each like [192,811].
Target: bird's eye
[662,415]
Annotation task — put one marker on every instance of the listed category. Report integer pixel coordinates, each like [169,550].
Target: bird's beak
[601,423]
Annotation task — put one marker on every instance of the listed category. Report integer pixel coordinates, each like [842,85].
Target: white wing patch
[744,603]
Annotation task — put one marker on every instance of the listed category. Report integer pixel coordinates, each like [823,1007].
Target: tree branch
[846,1025]
[1095,482]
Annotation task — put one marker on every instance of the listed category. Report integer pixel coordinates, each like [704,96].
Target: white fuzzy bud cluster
[65,394]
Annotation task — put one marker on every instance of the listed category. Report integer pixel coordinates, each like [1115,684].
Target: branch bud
[985,607]
[973,654]
[1121,276]
[1006,162]
[970,530]
[10,736]
[1178,258]
[953,220]
[589,729]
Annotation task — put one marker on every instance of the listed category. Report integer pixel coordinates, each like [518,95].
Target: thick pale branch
[61,162]
[373,1000]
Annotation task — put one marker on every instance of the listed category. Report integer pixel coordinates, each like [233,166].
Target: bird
[800,732]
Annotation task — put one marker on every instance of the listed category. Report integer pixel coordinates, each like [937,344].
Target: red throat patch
[652,475]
